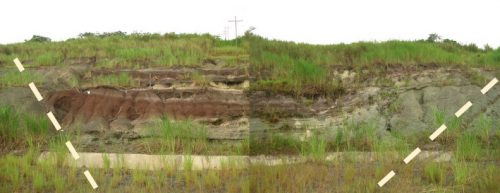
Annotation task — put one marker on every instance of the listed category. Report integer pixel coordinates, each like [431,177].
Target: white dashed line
[19,65]
[72,150]
[489,85]
[56,124]
[386,178]
[91,179]
[54,120]
[437,132]
[463,109]
[412,155]
[35,91]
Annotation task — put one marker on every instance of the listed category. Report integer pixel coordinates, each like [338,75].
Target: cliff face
[403,101]
[108,107]
[416,102]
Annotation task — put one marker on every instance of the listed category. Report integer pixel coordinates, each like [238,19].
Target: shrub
[433,37]
[37,38]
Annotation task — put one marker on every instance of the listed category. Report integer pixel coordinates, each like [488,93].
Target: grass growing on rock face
[439,116]
[9,123]
[452,131]
[166,136]
[37,124]
[123,79]
[484,127]
[350,136]
[182,136]
[201,80]
[468,148]
[462,170]
[476,78]
[21,130]
[318,147]
[434,172]
[22,79]
[301,79]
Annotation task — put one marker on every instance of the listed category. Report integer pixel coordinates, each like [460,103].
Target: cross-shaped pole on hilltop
[236,31]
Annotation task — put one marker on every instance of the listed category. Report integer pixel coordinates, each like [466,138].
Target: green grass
[452,131]
[37,124]
[123,79]
[186,137]
[9,123]
[158,50]
[439,116]
[468,147]
[22,79]
[488,179]
[434,172]
[484,127]
[200,80]
[307,70]
[317,145]
[462,170]
[266,54]
[490,60]
[19,175]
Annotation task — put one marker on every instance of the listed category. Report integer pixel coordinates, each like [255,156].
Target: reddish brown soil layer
[111,103]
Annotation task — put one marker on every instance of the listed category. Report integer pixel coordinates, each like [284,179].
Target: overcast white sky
[316,22]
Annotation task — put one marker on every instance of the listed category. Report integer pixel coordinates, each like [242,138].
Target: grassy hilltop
[118,50]
[302,69]
[127,50]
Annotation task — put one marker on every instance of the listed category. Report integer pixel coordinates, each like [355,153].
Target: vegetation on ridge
[161,50]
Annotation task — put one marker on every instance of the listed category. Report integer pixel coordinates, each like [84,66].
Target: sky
[314,22]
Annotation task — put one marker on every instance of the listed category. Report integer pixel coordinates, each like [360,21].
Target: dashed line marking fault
[56,124]
[489,85]
[91,179]
[35,91]
[72,150]
[386,178]
[412,155]
[463,109]
[54,120]
[19,65]
[437,132]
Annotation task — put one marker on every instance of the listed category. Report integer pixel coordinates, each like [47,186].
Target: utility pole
[226,32]
[236,34]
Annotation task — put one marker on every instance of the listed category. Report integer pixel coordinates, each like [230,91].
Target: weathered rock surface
[125,112]
[405,108]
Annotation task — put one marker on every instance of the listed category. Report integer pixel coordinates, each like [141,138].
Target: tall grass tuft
[318,148]
[9,123]
[468,148]
[484,127]
[36,124]
[434,173]
[439,116]
[181,136]
[16,78]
